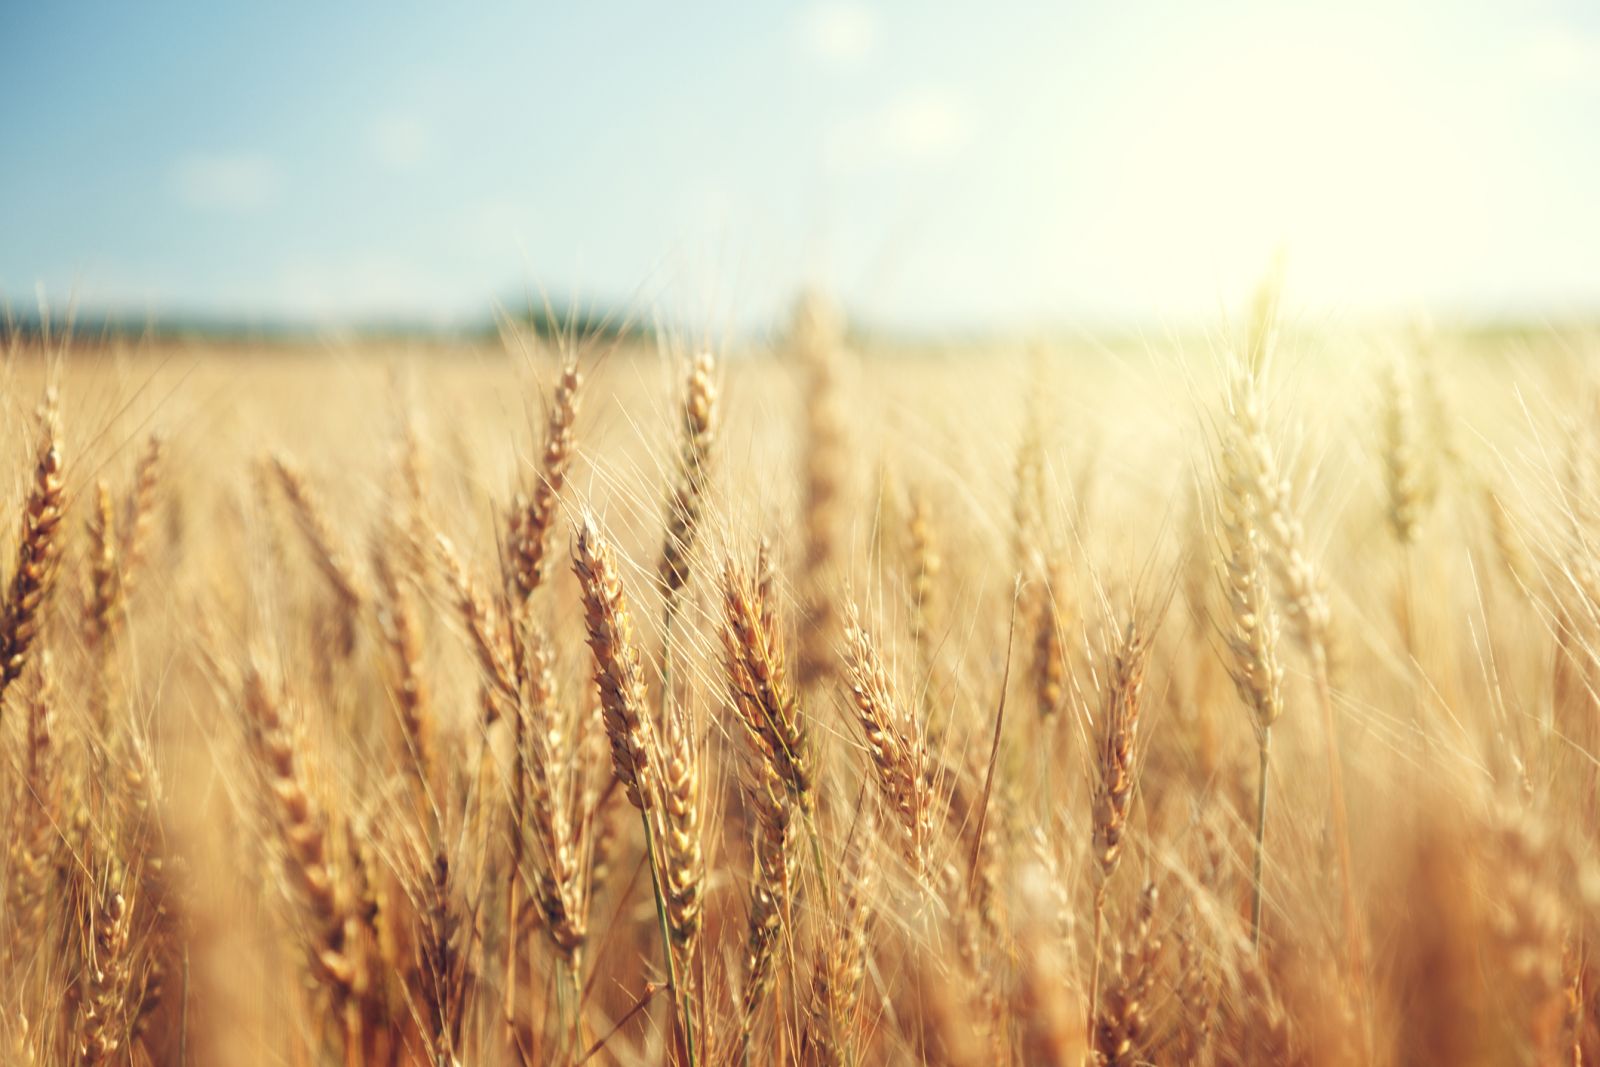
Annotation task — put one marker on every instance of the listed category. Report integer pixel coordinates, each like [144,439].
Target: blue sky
[935,165]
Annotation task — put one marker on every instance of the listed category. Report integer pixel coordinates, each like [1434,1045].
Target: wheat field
[1225,699]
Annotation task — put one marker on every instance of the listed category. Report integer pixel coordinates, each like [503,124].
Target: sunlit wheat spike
[1250,630]
[304,837]
[103,1022]
[38,551]
[698,423]
[618,674]
[1117,766]
[1051,617]
[1252,626]
[1402,462]
[1253,466]
[758,681]
[682,800]
[139,509]
[558,885]
[402,634]
[326,549]
[103,614]
[770,890]
[533,515]
[816,340]
[485,627]
[894,742]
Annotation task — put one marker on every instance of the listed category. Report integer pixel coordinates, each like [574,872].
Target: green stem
[816,857]
[680,998]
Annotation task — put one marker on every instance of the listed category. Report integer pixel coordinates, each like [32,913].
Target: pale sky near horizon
[936,166]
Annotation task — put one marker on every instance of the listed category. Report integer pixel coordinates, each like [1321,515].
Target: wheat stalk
[1304,592]
[485,630]
[758,682]
[618,674]
[326,550]
[138,510]
[533,515]
[38,551]
[1117,776]
[304,836]
[103,1024]
[619,679]
[402,637]
[1252,626]
[771,891]
[698,423]
[894,742]
[822,456]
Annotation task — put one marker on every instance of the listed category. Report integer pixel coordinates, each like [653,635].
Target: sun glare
[1282,139]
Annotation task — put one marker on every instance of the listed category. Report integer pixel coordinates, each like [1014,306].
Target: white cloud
[839,33]
[365,285]
[400,142]
[919,126]
[225,182]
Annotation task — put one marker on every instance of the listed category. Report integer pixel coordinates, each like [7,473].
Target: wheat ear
[1116,777]
[894,742]
[1304,592]
[326,550]
[1252,627]
[38,551]
[619,678]
[698,424]
[533,516]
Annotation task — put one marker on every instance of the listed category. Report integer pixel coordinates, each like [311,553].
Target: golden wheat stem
[575,970]
[1094,959]
[1412,639]
[1355,943]
[1261,840]
[513,924]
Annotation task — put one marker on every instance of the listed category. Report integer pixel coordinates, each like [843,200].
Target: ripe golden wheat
[803,705]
